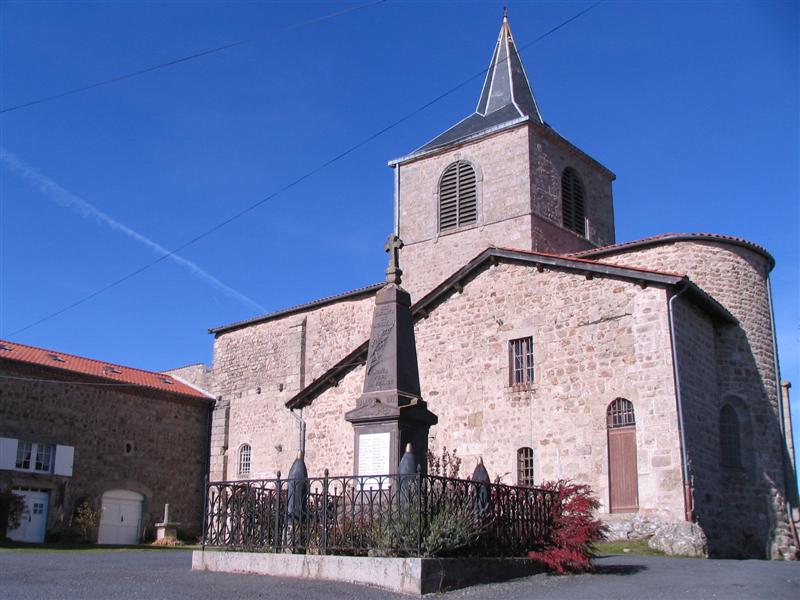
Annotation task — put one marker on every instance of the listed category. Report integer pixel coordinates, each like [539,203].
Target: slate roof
[60,361]
[458,279]
[506,95]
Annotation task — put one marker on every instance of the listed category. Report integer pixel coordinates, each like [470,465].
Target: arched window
[623,471]
[525,467]
[730,438]
[620,413]
[458,196]
[572,201]
[244,459]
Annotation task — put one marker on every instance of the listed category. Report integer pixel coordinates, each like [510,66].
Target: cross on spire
[393,271]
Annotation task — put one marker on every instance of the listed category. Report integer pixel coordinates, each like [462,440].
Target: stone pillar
[219,440]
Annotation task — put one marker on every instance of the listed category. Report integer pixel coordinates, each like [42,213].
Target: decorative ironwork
[400,515]
[620,413]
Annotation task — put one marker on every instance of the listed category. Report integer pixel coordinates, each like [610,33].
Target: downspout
[397,199]
[687,484]
[782,415]
[302,424]
[206,470]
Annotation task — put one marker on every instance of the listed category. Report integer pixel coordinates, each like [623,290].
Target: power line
[187,58]
[295,182]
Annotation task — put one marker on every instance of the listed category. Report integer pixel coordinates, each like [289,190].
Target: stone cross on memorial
[390,412]
[393,271]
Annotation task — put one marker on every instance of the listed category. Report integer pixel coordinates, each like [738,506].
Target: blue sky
[693,105]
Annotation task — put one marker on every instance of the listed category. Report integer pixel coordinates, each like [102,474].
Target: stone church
[647,369]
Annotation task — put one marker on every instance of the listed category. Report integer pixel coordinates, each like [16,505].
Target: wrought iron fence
[388,515]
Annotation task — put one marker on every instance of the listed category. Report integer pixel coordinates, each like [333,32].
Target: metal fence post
[278,532]
[324,536]
[205,512]
[419,510]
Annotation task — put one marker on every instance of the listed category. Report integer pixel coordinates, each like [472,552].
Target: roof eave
[365,291]
[420,308]
[120,386]
[417,154]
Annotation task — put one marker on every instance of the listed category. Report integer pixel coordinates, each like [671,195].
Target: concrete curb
[414,576]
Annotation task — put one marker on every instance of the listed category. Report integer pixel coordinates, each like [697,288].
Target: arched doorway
[623,475]
[121,520]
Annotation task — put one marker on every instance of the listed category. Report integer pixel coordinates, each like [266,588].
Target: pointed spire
[506,98]
[506,82]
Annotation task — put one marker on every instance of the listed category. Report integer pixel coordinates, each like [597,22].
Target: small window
[572,202]
[24,450]
[458,196]
[730,437]
[525,467]
[620,414]
[34,457]
[520,354]
[244,460]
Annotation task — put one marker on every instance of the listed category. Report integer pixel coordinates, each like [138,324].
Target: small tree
[87,519]
[12,507]
[569,543]
[448,464]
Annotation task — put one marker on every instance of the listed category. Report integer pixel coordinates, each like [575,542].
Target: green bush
[12,507]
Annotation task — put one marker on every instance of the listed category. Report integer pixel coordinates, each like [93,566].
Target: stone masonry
[166,434]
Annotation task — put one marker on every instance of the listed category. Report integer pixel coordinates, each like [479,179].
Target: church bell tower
[499,177]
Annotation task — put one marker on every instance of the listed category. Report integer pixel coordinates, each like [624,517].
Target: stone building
[647,369]
[127,441]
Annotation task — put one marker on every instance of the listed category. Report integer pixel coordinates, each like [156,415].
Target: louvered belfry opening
[572,201]
[458,196]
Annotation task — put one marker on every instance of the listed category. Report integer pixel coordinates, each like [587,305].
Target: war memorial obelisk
[390,412]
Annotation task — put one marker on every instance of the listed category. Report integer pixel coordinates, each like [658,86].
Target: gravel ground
[153,575]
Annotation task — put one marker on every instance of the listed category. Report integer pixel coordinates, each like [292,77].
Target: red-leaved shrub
[568,547]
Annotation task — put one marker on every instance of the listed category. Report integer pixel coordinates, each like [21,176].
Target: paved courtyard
[153,575]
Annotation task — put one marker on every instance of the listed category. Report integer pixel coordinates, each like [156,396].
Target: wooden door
[623,475]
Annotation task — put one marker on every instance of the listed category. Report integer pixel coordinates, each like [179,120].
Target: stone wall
[595,340]
[198,375]
[259,367]
[744,510]
[167,433]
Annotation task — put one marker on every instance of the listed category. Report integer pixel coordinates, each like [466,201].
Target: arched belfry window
[458,196]
[573,196]
[525,467]
[244,459]
[730,437]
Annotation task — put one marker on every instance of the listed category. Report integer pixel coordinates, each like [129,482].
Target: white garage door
[33,523]
[121,520]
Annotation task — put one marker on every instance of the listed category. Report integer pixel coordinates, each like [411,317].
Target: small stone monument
[390,412]
[166,530]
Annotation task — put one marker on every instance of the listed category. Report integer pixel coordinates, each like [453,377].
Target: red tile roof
[11,351]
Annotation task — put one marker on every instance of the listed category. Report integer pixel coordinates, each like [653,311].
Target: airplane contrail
[87,210]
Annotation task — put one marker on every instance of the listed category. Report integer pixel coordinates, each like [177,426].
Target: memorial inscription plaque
[373,456]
